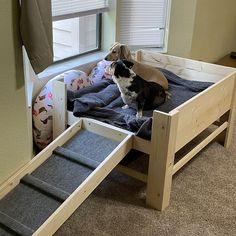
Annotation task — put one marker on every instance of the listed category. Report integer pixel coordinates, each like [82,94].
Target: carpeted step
[76,157]
[85,149]
[46,188]
[62,173]
[91,145]
[4,231]
[14,225]
[28,206]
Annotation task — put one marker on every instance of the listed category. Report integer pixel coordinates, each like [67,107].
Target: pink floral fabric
[42,111]
[100,72]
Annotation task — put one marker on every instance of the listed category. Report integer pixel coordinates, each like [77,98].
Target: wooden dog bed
[174,130]
[55,197]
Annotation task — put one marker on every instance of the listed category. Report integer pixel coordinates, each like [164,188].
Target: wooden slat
[104,129]
[198,148]
[165,60]
[50,226]
[141,145]
[185,68]
[132,173]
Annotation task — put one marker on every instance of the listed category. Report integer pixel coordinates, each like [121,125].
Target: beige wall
[182,18]
[202,29]
[214,29]
[14,141]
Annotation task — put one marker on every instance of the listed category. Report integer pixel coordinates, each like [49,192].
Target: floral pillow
[76,79]
[99,72]
[43,105]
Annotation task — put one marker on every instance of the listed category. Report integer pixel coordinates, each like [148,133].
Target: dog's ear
[125,52]
[114,45]
[128,64]
[121,71]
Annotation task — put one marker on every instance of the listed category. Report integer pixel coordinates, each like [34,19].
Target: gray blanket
[103,102]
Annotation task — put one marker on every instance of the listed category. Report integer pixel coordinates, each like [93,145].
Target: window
[76,36]
[144,23]
[76,26]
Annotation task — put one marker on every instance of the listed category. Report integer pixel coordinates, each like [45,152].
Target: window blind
[143,23]
[65,9]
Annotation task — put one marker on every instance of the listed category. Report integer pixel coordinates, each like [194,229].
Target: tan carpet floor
[203,201]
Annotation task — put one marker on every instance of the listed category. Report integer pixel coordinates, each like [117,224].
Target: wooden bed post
[231,117]
[59,108]
[161,159]
[226,136]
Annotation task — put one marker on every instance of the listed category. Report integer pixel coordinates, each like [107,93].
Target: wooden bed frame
[174,130]
[171,132]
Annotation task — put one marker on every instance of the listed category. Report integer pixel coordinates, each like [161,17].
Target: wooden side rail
[202,110]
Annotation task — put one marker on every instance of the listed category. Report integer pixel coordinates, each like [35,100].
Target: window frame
[98,39]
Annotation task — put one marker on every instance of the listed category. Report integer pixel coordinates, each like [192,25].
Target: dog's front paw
[168,95]
[125,107]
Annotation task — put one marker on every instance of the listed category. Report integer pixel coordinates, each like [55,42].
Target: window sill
[68,64]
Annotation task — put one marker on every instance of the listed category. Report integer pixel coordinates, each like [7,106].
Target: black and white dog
[135,91]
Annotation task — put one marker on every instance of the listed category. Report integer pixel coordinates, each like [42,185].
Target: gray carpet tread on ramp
[39,194]
[15,225]
[76,157]
[49,189]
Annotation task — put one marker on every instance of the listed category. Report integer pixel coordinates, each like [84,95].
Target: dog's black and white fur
[135,91]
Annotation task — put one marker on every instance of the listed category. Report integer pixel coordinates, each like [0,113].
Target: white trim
[29,76]
[29,85]
[71,63]
[80,14]
[167,26]
[64,9]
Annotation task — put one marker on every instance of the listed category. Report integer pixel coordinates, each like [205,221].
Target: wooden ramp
[40,197]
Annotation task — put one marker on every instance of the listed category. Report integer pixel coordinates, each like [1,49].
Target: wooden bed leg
[161,159]
[231,117]
[138,56]
[226,136]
